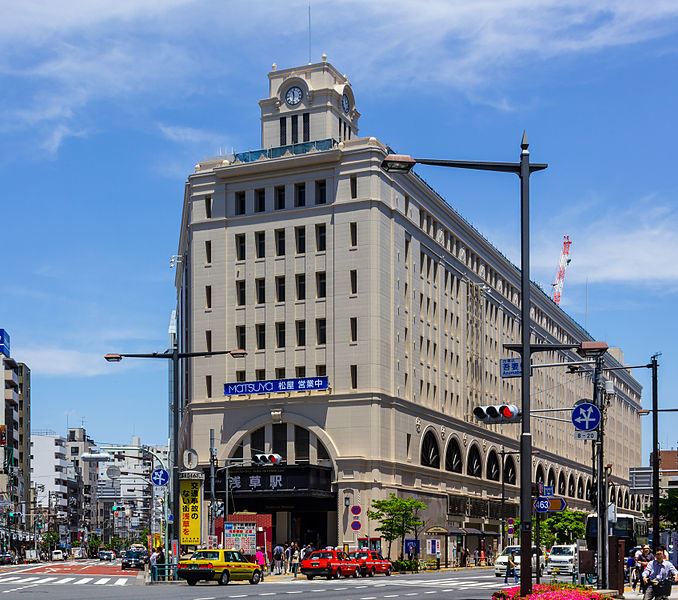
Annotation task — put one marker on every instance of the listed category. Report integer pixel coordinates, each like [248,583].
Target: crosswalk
[14,580]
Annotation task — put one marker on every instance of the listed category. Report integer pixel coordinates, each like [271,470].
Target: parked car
[106,555]
[371,563]
[221,566]
[7,558]
[133,559]
[561,559]
[59,555]
[329,563]
[502,560]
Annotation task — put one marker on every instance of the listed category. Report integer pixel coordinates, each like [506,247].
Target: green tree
[562,528]
[94,540]
[50,540]
[397,517]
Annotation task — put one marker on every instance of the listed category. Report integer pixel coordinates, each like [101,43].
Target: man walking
[277,558]
[511,568]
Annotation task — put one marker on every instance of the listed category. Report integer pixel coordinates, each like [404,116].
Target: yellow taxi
[221,566]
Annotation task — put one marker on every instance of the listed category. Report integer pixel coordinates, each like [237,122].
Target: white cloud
[60,362]
[60,132]
[190,135]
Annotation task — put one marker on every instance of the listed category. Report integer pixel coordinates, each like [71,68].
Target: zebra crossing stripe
[4,579]
[121,581]
[102,581]
[83,580]
[65,580]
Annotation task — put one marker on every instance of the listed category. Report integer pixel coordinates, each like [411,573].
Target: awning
[472,531]
[437,529]
[491,533]
[457,532]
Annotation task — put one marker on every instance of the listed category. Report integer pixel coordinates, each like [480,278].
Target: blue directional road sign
[160,477]
[548,490]
[511,367]
[586,416]
[555,504]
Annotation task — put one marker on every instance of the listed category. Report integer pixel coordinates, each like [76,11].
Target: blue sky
[106,106]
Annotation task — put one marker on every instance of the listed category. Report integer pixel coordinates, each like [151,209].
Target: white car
[562,559]
[58,555]
[502,560]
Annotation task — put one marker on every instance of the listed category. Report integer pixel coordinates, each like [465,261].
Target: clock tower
[306,104]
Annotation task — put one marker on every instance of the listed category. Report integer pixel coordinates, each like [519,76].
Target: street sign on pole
[586,416]
[553,504]
[586,435]
[511,367]
[160,477]
[548,490]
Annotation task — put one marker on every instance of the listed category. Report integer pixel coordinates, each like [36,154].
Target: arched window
[493,469]
[633,502]
[580,489]
[570,486]
[613,496]
[620,499]
[539,476]
[474,466]
[430,453]
[509,471]
[453,457]
[588,489]
[552,478]
[561,484]
[626,500]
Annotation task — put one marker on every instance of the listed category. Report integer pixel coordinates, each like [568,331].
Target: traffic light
[498,413]
[266,459]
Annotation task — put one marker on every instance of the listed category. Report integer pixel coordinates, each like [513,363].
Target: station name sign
[274,386]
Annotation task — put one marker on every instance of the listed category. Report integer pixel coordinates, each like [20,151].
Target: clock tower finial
[306,104]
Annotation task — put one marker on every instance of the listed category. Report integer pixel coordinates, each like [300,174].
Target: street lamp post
[402,164]
[175,356]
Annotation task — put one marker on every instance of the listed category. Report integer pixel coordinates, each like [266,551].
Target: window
[321,331]
[280,335]
[301,444]
[301,333]
[301,286]
[208,386]
[280,197]
[240,203]
[260,243]
[208,340]
[295,128]
[354,234]
[300,372]
[300,194]
[354,281]
[208,252]
[279,441]
[407,206]
[300,239]
[321,370]
[208,207]
[240,375]
[280,373]
[208,296]
[260,374]
[354,186]
[354,329]
[240,339]
[283,131]
[321,237]
[240,292]
[261,336]
[320,192]
[260,288]
[280,242]
[240,246]
[74,450]
[320,285]
[259,200]
[354,377]
[280,289]
[307,127]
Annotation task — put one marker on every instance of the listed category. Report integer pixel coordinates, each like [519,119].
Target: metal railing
[291,149]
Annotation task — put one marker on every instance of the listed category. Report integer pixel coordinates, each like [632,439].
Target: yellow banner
[190,510]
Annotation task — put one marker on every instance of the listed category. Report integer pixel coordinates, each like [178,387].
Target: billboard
[272,386]
[4,342]
[241,536]
[190,491]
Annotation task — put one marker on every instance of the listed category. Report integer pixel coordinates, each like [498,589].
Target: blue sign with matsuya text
[273,386]
[4,342]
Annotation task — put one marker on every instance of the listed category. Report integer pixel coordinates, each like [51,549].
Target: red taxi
[329,563]
[371,562]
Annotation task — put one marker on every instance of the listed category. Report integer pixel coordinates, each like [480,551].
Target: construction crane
[562,265]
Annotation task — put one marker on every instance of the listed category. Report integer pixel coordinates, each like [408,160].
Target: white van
[502,560]
[562,559]
[58,555]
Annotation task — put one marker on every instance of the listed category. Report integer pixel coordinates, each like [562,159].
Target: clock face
[345,103]
[294,96]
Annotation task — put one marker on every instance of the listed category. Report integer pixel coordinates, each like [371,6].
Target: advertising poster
[241,536]
[190,491]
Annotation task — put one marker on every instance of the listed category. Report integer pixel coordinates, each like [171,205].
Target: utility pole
[213,498]
[655,454]
[600,476]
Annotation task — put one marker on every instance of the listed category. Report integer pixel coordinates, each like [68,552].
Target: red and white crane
[562,265]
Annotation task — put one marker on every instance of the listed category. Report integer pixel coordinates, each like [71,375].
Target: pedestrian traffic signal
[498,413]
[266,459]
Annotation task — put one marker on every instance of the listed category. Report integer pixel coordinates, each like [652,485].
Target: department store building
[374,318]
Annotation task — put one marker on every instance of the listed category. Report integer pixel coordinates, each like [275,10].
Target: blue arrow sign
[160,477]
[541,505]
[586,416]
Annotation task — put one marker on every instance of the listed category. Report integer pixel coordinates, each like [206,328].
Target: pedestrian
[295,559]
[643,559]
[658,576]
[160,564]
[260,559]
[288,557]
[153,560]
[475,557]
[278,552]
[511,568]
